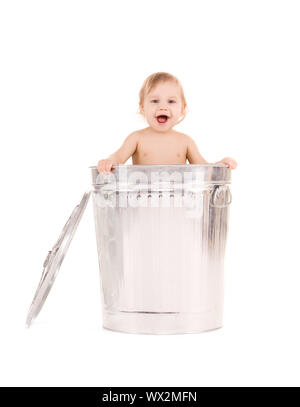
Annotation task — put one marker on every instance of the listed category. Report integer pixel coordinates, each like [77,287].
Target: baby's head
[162,101]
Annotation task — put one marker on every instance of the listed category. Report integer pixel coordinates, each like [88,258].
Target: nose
[163,108]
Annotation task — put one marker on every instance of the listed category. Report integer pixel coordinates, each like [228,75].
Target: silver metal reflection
[161,236]
[55,258]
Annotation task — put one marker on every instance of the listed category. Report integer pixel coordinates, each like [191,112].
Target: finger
[103,170]
[107,167]
[100,165]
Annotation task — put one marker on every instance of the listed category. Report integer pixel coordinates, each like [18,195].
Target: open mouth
[162,119]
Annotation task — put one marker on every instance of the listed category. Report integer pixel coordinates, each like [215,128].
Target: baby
[163,105]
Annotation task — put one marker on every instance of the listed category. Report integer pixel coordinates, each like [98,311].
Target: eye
[172,101]
[154,101]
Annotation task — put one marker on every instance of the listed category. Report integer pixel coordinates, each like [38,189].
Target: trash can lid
[54,259]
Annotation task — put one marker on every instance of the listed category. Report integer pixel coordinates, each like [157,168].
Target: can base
[162,323]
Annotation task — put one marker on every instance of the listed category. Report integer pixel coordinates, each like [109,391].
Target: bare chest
[160,151]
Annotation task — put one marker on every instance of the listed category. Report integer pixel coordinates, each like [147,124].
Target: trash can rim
[165,165]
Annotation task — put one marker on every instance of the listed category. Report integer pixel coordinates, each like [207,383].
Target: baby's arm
[120,156]
[194,157]
[192,152]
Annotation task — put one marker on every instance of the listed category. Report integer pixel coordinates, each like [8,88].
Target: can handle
[221,197]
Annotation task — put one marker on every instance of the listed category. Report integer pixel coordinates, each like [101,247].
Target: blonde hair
[152,81]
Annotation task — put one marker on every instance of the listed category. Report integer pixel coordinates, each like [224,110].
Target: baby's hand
[232,164]
[104,166]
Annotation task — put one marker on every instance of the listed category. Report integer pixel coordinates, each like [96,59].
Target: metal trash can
[161,235]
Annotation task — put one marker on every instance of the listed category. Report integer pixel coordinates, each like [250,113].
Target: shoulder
[185,138]
[134,136]
[134,133]
[189,140]
[138,133]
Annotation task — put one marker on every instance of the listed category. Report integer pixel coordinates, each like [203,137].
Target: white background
[70,76]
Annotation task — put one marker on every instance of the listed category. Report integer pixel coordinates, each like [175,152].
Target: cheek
[177,109]
[150,110]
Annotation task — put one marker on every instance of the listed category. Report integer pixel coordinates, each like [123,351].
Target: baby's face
[163,106]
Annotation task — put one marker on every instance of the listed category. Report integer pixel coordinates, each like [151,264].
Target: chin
[161,129]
